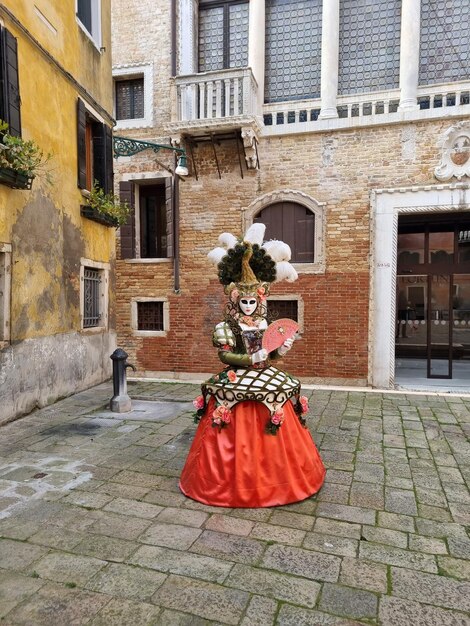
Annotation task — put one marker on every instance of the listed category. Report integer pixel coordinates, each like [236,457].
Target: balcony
[215,102]
[367,109]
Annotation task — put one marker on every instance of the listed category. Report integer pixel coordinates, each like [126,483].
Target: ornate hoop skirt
[243,466]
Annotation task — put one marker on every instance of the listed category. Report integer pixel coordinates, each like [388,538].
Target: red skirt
[243,466]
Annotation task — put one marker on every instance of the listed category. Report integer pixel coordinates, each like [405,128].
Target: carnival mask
[248,305]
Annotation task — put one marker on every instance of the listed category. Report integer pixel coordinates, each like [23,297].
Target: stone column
[256,47]
[187,54]
[409,54]
[187,37]
[329,59]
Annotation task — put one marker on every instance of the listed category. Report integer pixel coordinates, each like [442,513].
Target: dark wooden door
[294,224]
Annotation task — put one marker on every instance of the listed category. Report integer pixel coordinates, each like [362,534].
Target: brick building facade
[360,146]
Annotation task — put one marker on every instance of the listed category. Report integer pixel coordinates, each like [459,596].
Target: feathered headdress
[246,264]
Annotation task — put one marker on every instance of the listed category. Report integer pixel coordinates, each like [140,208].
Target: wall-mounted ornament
[455,159]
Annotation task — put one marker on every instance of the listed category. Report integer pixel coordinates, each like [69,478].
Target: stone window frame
[104,269]
[96,35]
[387,205]
[5,293]
[300,306]
[143,178]
[299,197]
[129,72]
[135,318]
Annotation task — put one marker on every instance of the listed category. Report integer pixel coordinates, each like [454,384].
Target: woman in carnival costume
[252,447]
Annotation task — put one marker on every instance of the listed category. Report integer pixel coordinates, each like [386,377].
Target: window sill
[149,333]
[96,44]
[309,268]
[133,123]
[149,261]
[95,216]
[14,179]
[94,330]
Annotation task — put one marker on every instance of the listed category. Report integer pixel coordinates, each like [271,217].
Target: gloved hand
[258,357]
[286,346]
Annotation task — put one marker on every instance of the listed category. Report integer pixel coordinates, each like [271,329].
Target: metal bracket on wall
[124,146]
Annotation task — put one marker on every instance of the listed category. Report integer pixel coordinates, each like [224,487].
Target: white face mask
[248,305]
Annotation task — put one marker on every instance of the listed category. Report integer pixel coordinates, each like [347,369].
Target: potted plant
[20,159]
[105,208]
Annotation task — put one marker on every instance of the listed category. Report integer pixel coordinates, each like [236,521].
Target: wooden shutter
[304,223]
[99,156]
[170,217]
[127,230]
[81,144]
[108,154]
[292,223]
[10,87]
[103,156]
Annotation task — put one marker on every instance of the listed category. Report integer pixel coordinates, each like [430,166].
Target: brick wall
[337,168]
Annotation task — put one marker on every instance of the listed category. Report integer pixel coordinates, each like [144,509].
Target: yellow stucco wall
[43,225]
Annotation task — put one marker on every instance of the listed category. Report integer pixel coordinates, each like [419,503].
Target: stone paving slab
[94,530]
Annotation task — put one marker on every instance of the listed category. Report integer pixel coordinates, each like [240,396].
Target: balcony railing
[380,107]
[223,94]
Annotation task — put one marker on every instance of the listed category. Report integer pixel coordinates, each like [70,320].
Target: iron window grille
[279,309]
[223,34]
[91,297]
[150,316]
[130,99]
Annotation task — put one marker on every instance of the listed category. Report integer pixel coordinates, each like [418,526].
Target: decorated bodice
[242,380]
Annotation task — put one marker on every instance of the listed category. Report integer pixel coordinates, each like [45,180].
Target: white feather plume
[227,240]
[216,255]
[285,271]
[278,250]
[255,234]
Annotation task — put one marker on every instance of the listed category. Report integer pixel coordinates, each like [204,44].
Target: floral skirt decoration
[235,463]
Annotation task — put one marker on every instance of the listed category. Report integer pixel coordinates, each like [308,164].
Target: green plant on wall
[22,156]
[108,204]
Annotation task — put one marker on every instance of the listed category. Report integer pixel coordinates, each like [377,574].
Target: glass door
[433,297]
[461,326]
[439,352]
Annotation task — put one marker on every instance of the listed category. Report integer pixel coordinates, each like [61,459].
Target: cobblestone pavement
[93,529]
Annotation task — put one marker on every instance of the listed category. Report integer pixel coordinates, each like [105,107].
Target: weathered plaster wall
[44,227]
[37,372]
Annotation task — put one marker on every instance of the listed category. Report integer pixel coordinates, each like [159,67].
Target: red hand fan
[277,332]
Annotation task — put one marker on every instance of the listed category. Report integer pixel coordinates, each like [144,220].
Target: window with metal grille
[223,34]
[278,309]
[445,46]
[91,297]
[293,49]
[150,316]
[369,49]
[129,99]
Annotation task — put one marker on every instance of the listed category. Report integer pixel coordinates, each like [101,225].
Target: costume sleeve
[223,336]
[231,358]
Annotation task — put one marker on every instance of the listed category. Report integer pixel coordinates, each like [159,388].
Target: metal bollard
[120,402]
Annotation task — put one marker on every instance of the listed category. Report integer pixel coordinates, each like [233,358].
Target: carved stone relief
[455,159]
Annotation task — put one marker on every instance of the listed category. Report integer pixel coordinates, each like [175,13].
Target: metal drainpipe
[176,230]
[173,37]
[175,194]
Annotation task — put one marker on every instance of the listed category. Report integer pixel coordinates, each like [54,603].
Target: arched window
[293,223]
